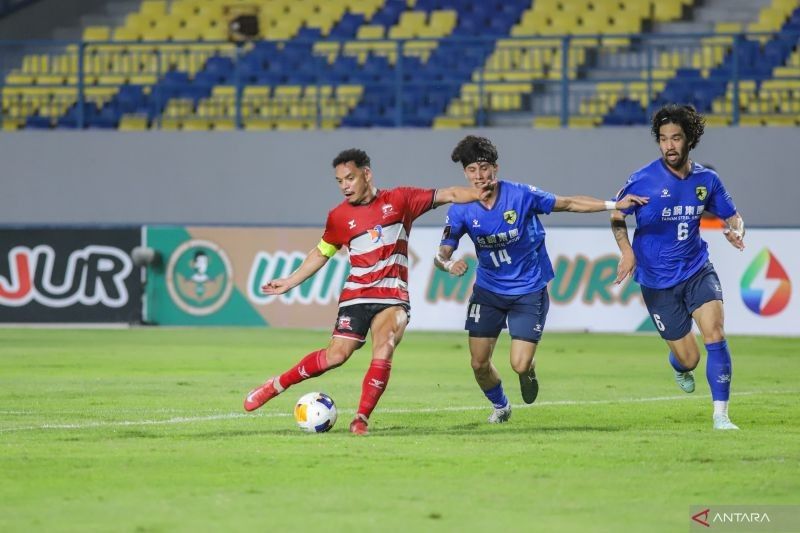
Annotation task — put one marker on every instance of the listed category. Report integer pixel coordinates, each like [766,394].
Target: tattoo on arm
[620,230]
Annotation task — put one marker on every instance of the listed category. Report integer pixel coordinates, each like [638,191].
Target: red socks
[316,363]
[309,366]
[374,384]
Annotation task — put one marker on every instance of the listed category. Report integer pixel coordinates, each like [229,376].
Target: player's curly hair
[472,149]
[691,122]
[358,157]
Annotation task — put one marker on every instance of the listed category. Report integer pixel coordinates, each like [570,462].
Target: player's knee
[521,367]
[715,334]
[337,357]
[480,366]
[689,361]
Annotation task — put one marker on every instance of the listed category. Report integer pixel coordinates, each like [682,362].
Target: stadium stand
[417,63]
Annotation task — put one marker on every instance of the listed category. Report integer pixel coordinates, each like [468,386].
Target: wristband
[611,206]
[448,265]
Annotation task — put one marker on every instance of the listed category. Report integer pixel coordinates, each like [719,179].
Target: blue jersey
[508,238]
[667,242]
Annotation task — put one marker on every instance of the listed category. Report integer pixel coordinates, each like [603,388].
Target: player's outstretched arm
[589,204]
[444,261]
[627,262]
[734,231]
[461,195]
[310,265]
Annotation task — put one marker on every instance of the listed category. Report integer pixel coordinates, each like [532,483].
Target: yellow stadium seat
[10,124]
[126,34]
[446,123]
[143,79]
[155,34]
[584,122]
[18,78]
[97,33]
[313,92]
[170,124]
[370,32]
[50,79]
[133,123]
[196,124]
[153,8]
[327,49]
[718,120]
[293,124]
[256,91]
[214,33]
[288,92]
[258,124]
[547,121]
[223,125]
[186,34]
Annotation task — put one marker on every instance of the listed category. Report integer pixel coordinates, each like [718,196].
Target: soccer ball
[315,412]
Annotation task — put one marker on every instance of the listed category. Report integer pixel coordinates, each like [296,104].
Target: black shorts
[354,321]
[488,312]
[671,309]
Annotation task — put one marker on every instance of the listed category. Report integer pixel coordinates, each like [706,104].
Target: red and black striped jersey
[376,235]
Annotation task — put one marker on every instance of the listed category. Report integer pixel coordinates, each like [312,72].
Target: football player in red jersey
[374,225]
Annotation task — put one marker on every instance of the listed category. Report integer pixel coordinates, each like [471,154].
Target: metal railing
[584,80]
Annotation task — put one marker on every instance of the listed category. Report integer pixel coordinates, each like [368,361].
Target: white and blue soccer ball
[315,412]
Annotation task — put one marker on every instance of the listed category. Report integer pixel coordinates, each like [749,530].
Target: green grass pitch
[142,430]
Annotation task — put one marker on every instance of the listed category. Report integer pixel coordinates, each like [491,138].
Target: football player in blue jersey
[513,266]
[669,259]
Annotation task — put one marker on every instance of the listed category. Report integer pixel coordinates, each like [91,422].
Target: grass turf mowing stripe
[230,416]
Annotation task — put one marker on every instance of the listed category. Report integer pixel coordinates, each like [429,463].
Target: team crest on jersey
[701,193]
[343,322]
[387,209]
[510,216]
[376,234]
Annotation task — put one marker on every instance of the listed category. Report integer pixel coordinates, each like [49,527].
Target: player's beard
[680,163]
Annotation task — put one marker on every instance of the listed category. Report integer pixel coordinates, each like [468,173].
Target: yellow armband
[328,250]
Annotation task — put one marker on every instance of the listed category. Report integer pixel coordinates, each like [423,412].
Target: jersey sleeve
[719,201]
[417,201]
[331,236]
[630,188]
[453,227]
[542,201]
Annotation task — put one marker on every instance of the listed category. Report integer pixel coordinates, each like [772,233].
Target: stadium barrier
[761,287]
[211,275]
[69,275]
[587,80]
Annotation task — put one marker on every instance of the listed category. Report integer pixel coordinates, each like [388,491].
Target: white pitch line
[233,416]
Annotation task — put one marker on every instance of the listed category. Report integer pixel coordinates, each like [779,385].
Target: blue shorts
[671,309]
[488,312]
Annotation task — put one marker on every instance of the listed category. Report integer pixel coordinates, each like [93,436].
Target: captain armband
[328,250]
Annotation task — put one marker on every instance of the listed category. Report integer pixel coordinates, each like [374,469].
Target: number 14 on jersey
[500,257]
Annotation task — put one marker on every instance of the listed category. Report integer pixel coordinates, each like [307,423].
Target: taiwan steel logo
[199,277]
[765,286]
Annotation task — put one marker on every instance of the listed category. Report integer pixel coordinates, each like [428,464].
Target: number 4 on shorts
[475,312]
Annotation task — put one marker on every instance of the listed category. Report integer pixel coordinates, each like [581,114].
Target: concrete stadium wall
[285,178]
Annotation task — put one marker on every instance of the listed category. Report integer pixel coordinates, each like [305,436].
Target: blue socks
[719,370]
[676,364]
[497,396]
